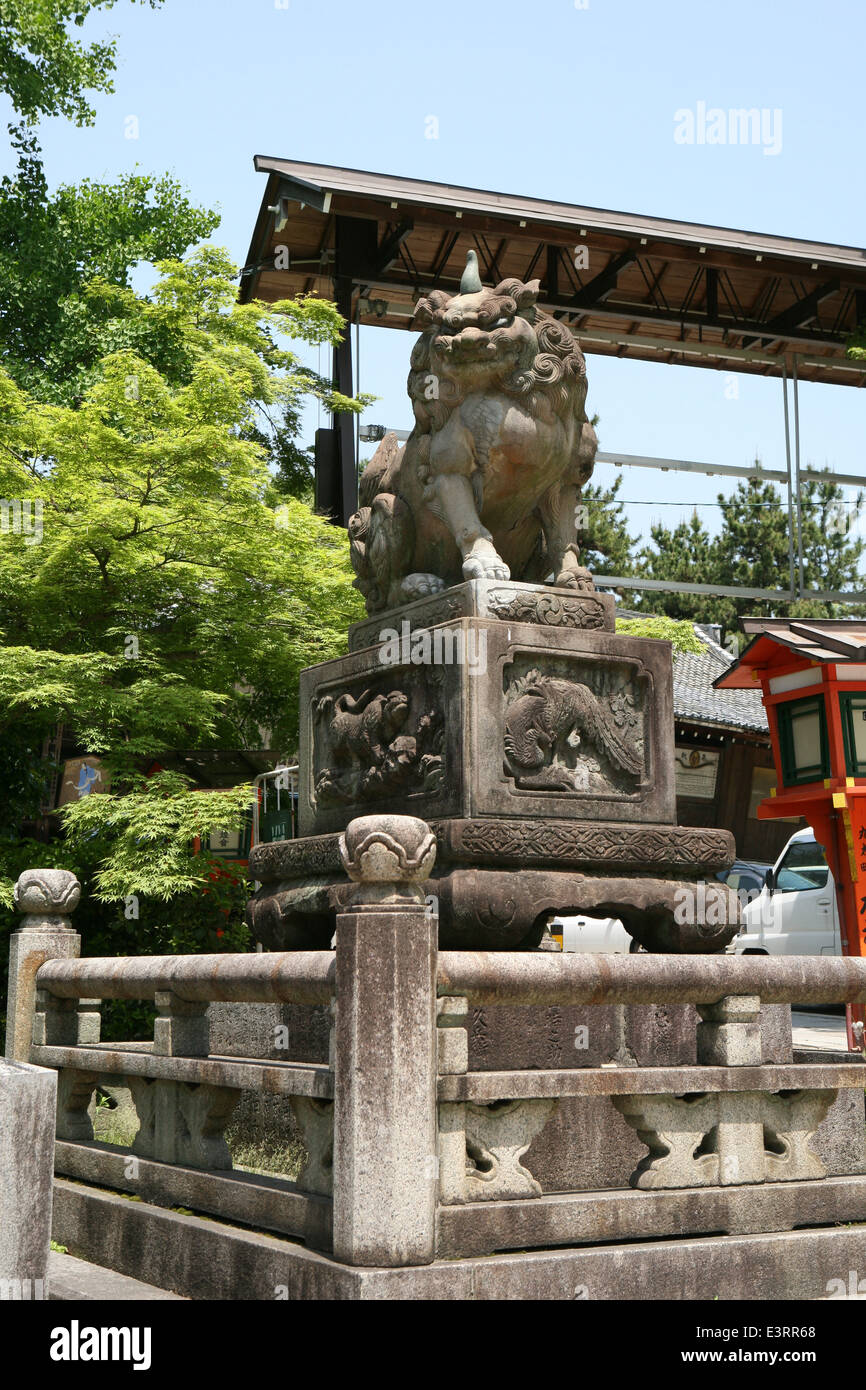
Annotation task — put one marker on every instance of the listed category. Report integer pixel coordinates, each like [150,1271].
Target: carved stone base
[506,600]
[671,904]
[493,718]
[513,720]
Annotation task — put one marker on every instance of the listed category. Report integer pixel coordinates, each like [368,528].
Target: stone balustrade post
[46,897]
[385,1064]
[27,1104]
[181,1028]
[730,1032]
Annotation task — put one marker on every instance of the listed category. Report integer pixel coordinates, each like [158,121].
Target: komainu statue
[488,482]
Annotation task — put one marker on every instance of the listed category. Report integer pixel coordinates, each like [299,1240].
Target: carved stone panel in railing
[480,1148]
[316,1122]
[182,1122]
[74,1093]
[724,1139]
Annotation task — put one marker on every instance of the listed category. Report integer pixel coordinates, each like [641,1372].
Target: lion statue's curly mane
[488,482]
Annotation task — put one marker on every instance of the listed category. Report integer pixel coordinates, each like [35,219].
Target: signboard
[278,807]
[696,772]
[231,844]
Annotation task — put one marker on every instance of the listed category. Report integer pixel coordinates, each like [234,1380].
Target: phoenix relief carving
[560,735]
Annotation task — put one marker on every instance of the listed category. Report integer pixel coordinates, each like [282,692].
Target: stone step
[208,1259]
[71,1280]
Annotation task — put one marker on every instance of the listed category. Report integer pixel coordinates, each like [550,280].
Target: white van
[592,934]
[795,913]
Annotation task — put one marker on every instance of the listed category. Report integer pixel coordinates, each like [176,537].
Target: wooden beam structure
[651,288]
[646,288]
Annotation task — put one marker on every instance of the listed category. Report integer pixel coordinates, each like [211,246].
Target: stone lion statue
[488,482]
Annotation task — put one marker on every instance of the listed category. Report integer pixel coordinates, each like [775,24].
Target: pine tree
[684,554]
[606,544]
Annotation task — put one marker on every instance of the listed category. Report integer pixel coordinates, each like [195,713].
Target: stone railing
[410,1153]
[728,1120]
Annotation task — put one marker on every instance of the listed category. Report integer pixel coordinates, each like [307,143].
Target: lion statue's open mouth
[488,482]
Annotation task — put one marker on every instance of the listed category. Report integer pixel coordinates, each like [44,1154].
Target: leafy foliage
[175,594]
[684,554]
[44,70]
[208,920]
[65,264]
[152,831]
[679,632]
[752,551]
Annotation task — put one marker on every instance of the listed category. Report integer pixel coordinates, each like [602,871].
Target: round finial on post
[46,897]
[389,856]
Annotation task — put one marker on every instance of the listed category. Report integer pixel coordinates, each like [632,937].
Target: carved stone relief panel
[725,1139]
[378,737]
[480,1148]
[576,727]
[573,724]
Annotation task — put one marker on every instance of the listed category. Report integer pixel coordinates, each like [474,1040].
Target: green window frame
[787,714]
[852,703]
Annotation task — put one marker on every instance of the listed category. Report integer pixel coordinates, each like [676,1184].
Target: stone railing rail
[286,977]
[482,977]
[511,977]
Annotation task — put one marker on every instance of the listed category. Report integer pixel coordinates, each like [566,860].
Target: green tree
[679,632]
[605,541]
[686,554]
[62,254]
[753,544]
[44,70]
[752,551]
[172,595]
[832,548]
[754,548]
[53,330]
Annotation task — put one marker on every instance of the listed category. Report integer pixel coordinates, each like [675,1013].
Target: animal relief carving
[559,734]
[367,750]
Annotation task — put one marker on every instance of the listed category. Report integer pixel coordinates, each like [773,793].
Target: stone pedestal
[537,743]
[481,717]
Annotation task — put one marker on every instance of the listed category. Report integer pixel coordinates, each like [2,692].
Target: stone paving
[824,1032]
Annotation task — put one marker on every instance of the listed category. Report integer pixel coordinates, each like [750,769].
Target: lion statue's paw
[482,562]
[578,579]
[420,586]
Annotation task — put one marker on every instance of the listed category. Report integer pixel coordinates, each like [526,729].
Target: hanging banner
[82,777]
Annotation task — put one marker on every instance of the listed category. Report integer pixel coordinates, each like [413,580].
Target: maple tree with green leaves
[173,594]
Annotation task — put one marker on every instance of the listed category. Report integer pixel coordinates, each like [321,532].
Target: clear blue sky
[547,99]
